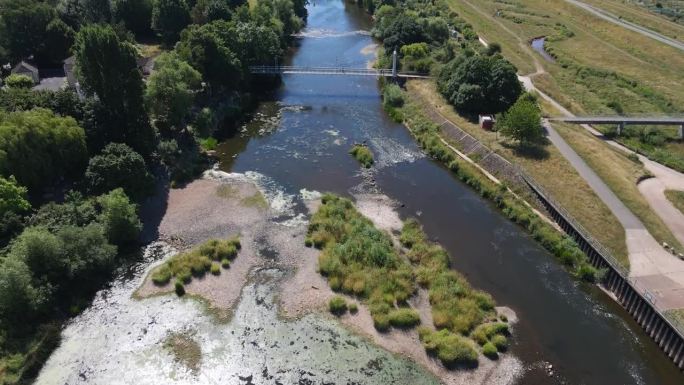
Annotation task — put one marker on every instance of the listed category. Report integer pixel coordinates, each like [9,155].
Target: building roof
[24,67]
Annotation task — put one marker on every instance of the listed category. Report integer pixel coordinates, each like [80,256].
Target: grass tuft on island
[197,262]
[360,260]
[363,154]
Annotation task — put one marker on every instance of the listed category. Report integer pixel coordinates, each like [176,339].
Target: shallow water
[298,145]
[538,45]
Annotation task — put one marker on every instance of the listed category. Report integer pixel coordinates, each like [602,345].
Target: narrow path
[629,25]
[653,270]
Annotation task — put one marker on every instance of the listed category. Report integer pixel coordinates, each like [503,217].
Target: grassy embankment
[571,190]
[208,257]
[563,247]
[677,198]
[360,260]
[621,174]
[363,154]
[648,14]
[601,67]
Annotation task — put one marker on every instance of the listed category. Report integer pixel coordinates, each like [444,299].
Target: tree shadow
[536,151]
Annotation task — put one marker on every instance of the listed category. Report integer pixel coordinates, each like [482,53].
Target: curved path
[626,24]
[652,269]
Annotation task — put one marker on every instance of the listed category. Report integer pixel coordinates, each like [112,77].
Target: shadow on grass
[535,151]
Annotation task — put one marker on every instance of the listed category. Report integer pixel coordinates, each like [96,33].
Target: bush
[490,351]
[381,322]
[225,263]
[215,269]
[18,81]
[179,288]
[337,305]
[119,217]
[450,348]
[208,144]
[363,154]
[392,96]
[404,318]
[198,261]
[501,342]
[353,308]
[161,276]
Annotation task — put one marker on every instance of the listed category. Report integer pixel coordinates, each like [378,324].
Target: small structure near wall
[486,122]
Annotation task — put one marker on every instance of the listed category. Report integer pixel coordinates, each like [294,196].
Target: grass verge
[677,199]
[620,174]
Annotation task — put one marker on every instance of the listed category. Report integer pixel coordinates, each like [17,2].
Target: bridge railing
[265,69]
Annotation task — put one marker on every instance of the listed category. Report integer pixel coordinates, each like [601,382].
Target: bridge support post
[394,64]
[620,128]
[681,131]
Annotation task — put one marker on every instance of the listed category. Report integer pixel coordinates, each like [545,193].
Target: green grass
[196,262]
[337,305]
[452,349]
[256,200]
[677,199]
[363,154]
[404,318]
[490,351]
[208,144]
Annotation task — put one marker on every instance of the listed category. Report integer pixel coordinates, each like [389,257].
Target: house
[24,68]
[486,122]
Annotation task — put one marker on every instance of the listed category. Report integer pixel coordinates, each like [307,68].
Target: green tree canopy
[23,24]
[522,122]
[119,217]
[480,84]
[107,68]
[169,18]
[209,54]
[59,38]
[12,197]
[118,166]
[38,147]
[135,14]
[171,90]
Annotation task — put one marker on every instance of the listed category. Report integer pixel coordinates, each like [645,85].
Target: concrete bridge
[622,121]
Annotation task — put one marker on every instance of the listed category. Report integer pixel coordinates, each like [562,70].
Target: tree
[169,18]
[18,81]
[75,211]
[204,49]
[118,166]
[19,299]
[255,44]
[59,38]
[107,68]
[135,14]
[12,197]
[171,90]
[119,218]
[402,30]
[39,148]
[23,24]
[522,122]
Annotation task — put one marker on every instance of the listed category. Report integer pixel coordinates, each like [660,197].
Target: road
[626,24]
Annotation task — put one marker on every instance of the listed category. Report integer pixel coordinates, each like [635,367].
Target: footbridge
[345,71]
[622,121]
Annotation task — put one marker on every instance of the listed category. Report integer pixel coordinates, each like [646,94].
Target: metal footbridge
[344,71]
[340,71]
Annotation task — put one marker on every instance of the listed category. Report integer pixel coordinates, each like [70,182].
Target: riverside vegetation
[363,154]
[360,260]
[75,165]
[208,257]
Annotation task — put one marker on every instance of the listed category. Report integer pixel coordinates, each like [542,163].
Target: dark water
[538,45]
[302,140]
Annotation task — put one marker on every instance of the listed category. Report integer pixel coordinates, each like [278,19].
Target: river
[300,140]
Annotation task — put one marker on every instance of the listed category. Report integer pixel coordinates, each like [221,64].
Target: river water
[300,140]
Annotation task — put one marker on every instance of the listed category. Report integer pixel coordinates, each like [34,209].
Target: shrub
[215,269]
[392,96]
[119,166]
[225,263]
[208,144]
[490,351]
[180,288]
[162,275]
[353,308]
[404,318]
[381,322]
[18,81]
[501,342]
[337,305]
[363,154]
[199,260]
[450,348]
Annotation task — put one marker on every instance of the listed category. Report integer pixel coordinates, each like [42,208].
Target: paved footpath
[652,269]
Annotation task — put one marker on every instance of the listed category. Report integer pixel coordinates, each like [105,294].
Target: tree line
[75,164]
